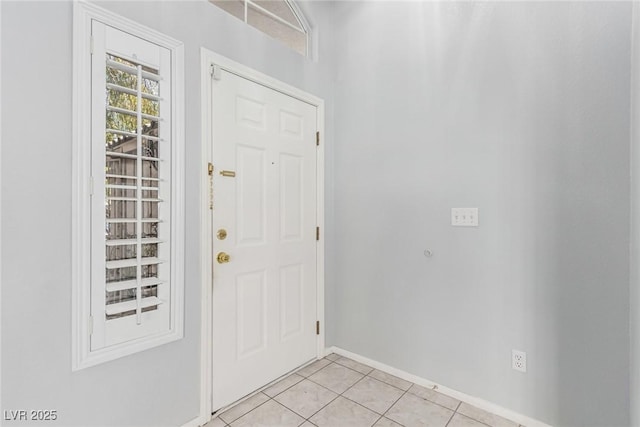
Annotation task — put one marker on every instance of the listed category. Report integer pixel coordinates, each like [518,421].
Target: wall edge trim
[195,422]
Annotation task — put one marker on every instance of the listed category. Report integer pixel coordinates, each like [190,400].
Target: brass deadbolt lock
[223,258]
[222,234]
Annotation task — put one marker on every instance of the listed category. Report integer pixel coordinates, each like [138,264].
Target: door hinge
[91,45]
[216,72]
[210,169]
[317,327]
[90,325]
[91,186]
[317,138]
[317,233]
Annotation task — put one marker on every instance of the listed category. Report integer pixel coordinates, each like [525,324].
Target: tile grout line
[294,384]
[472,418]
[368,409]
[326,388]
[392,405]
[349,367]
[359,404]
[328,403]
[314,372]
[455,411]
[453,414]
[396,401]
[420,397]
[289,409]
[251,410]
[307,418]
[383,381]
[308,378]
[436,403]
[338,394]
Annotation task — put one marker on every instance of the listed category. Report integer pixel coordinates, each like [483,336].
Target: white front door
[264,195]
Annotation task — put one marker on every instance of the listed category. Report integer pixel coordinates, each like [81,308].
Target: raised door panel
[291,197]
[251,113]
[251,310]
[251,198]
[291,125]
[291,301]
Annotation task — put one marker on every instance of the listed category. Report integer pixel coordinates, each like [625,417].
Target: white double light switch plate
[464,217]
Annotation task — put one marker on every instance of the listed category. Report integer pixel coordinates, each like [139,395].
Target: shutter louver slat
[123,89]
[123,242]
[131,284]
[132,156]
[132,70]
[123,307]
[130,177]
[130,187]
[133,199]
[132,113]
[132,262]
[132,220]
[133,135]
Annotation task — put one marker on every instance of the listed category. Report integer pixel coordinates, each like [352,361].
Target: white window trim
[297,12]
[305,26]
[82,357]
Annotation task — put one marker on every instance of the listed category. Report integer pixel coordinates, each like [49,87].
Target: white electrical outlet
[464,217]
[519,360]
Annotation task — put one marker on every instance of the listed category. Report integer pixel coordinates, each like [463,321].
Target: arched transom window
[280,19]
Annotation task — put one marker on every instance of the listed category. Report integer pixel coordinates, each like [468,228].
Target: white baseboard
[196,422]
[471,400]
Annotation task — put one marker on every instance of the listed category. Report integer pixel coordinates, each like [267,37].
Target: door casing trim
[207,58]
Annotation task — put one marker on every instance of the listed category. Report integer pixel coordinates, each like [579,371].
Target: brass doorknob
[223,257]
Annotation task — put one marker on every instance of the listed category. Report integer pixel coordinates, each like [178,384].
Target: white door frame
[208,58]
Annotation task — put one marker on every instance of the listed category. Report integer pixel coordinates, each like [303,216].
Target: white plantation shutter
[132,229]
[128,194]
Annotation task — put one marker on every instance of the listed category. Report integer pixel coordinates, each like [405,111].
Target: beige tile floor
[340,392]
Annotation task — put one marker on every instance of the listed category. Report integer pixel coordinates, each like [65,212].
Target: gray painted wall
[519,109]
[159,387]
